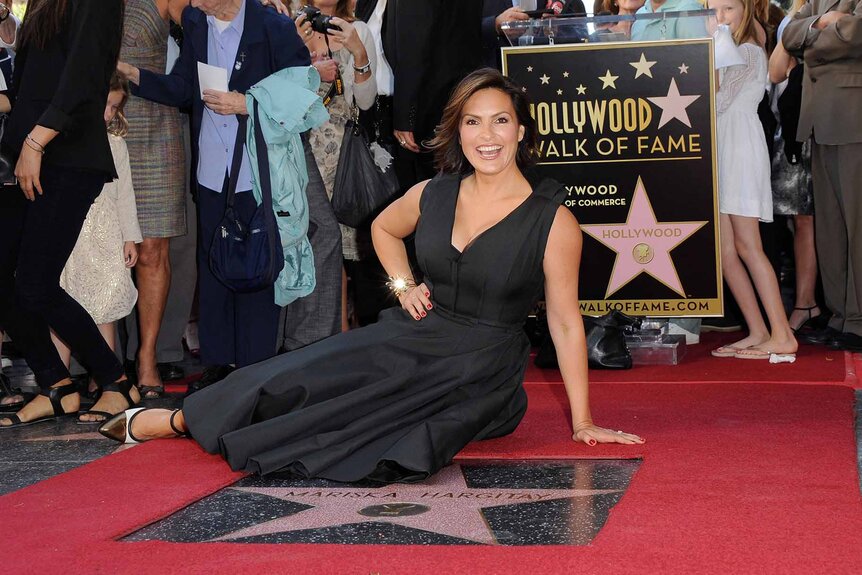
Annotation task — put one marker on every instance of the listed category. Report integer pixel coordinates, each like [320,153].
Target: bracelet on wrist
[362,69]
[400,285]
[34,145]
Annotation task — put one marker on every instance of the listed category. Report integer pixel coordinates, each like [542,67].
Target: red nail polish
[423,314]
[429,306]
[417,317]
[427,293]
[592,442]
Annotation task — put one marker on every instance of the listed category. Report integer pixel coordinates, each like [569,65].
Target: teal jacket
[288,105]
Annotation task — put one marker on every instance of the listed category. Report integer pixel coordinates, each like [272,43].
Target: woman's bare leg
[737,279]
[746,236]
[153,272]
[805,257]
[9,398]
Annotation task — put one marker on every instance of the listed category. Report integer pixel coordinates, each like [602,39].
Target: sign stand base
[651,344]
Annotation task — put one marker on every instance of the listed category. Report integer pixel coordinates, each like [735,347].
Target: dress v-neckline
[478,236]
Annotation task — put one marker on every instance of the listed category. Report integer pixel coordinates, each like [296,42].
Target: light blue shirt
[218,132]
[672,28]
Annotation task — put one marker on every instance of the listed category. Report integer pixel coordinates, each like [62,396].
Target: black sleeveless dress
[396,400]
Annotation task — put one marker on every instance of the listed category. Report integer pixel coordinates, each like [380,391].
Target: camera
[320,22]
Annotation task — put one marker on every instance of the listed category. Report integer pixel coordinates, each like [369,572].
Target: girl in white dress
[98,273]
[745,190]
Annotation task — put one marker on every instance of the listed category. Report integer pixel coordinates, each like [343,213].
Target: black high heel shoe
[119,427]
[809,320]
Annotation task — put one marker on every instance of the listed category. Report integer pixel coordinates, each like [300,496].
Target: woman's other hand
[129,72]
[225,103]
[406,140]
[27,171]
[278,5]
[348,37]
[130,254]
[417,301]
[592,434]
[327,68]
[303,28]
[509,15]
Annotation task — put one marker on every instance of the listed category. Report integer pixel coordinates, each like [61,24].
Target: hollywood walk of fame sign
[629,130]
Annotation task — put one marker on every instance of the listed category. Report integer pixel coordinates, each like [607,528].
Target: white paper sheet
[211,78]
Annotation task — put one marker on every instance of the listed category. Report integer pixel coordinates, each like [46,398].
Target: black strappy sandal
[121,387]
[56,395]
[6,390]
[151,391]
[811,318]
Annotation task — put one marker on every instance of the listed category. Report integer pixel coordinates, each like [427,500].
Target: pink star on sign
[673,105]
[642,244]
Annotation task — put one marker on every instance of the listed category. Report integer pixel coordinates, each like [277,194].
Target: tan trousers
[837,173]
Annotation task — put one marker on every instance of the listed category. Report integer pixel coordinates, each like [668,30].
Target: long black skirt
[394,401]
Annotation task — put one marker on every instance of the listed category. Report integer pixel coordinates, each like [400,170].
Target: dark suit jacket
[431,45]
[832,84]
[65,86]
[492,42]
[364,9]
[269,42]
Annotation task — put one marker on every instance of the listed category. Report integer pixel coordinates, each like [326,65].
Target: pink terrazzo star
[442,504]
[642,244]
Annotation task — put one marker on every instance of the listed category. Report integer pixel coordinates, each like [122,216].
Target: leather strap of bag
[266,189]
[236,163]
[262,160]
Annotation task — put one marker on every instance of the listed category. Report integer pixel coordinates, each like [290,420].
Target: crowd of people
[129,158]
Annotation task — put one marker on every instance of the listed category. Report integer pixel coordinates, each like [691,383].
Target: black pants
[234,328]
[33,253]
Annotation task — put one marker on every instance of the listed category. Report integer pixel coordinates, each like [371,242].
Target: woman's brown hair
[748,25]
[607,6]
[42,21]
[446,143]
[119,126]
[45,18]
[342,10]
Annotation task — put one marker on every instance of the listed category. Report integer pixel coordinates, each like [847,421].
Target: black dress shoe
[847,342]
[211,375]
[171,372]
[823,336]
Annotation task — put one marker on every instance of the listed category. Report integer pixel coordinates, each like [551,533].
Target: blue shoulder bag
[247,256]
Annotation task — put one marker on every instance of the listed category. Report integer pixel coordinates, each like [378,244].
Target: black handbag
[606,342]
[247,256]
[361,187]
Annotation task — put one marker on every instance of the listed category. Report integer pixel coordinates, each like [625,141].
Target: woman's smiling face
[489,131]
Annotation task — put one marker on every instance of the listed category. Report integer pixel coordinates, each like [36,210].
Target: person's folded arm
[838,41]
[800,31]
